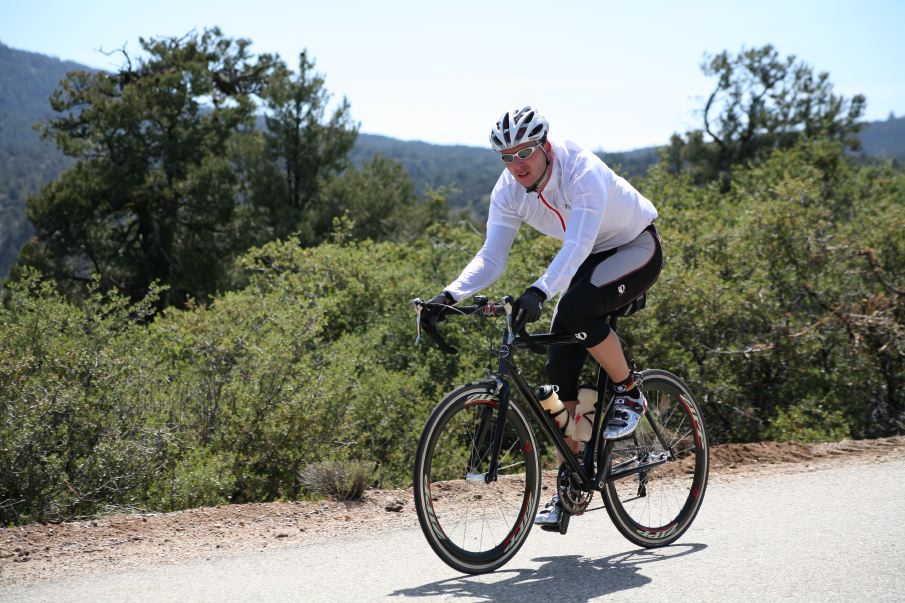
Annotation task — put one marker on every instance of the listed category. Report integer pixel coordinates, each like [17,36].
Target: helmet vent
[517,127]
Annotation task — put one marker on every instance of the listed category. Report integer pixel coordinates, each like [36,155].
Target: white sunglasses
[523,154]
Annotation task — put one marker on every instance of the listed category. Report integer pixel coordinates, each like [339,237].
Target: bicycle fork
[484,424]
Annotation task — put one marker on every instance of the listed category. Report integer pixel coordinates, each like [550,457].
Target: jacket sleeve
[487,265]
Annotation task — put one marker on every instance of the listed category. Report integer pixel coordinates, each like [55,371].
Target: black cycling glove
[443,298]
[527,308]
[431,314]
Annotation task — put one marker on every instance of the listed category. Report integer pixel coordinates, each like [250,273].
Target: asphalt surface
[834,534]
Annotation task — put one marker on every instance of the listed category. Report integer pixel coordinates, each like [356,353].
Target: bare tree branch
[878,271]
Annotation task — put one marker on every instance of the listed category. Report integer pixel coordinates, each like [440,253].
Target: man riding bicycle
[610,256]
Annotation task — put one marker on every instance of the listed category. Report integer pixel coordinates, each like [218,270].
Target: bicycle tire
[473,526]
[654,508]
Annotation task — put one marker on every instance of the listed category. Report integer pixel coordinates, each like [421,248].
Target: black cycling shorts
[605,282]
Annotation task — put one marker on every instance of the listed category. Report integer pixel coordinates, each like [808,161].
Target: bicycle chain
[573,499]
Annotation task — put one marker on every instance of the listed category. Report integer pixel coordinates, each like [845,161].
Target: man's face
[527,171]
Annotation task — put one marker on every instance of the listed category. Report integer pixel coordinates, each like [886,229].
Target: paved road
[831,535]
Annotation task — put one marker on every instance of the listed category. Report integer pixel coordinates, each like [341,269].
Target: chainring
[573,499]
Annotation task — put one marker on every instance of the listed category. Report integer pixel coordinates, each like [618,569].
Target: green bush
[785,290]
[781,302]
[197,477]
[72,437]
[808,423]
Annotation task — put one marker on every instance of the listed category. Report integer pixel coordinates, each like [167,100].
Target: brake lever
[507,306]
[418,303]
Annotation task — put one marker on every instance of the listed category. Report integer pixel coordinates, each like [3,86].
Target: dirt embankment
[54,551]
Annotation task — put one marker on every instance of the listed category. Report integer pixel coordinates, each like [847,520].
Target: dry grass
[340,480]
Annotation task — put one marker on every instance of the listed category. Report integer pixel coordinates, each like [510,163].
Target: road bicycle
[477,480]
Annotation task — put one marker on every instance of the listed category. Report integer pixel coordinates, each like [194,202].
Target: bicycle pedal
[564,523]
[560,527]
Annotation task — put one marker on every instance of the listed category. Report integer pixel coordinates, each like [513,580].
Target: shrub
[808,423]
[781,303]
[72,436]
[342,480]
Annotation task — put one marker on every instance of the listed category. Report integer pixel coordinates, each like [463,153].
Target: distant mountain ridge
[884,138]
[469,172]
[27,80]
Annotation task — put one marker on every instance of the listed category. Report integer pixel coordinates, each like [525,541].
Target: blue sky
[608,75]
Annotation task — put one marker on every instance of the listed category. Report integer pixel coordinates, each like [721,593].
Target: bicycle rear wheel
[474,526]
[656,506]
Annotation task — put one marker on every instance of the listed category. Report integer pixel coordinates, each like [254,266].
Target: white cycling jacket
[584,204]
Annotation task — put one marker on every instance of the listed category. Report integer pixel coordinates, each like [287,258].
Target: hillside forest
[213,300]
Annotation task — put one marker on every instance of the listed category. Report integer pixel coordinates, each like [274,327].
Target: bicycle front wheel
[472,525]
[664,465]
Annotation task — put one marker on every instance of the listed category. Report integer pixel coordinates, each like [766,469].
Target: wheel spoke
[658,506]
[471,524]
[510,465]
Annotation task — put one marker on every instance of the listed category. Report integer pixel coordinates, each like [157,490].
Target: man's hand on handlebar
[527,308]
[438,309]
[443,298]
[434,310]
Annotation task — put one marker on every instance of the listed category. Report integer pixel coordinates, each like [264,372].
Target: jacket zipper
[551,208]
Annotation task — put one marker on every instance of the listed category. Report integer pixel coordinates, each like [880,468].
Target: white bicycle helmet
[518,127]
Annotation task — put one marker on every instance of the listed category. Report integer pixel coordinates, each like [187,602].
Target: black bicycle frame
[584,471]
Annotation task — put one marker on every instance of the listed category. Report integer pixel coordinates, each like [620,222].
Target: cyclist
[610,256]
